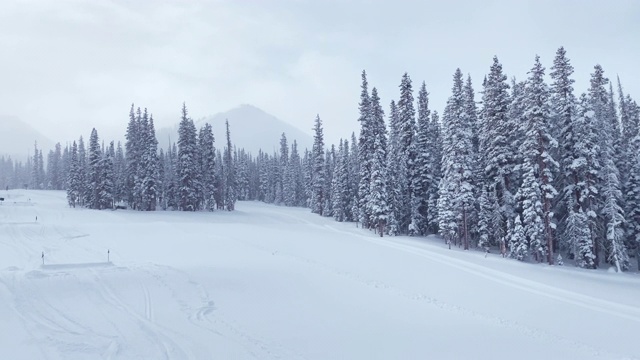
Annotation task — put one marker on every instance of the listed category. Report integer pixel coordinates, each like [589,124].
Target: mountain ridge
[251,128]
[17,139]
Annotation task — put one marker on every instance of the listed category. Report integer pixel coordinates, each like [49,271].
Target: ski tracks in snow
[169,349]
[607,307]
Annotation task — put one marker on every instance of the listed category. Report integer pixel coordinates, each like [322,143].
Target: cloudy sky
[69,65]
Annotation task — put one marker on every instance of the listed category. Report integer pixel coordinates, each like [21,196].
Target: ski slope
[268,282]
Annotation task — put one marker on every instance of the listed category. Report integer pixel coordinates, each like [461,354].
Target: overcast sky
[69,65]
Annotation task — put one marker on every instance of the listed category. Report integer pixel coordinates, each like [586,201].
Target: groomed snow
[267,282]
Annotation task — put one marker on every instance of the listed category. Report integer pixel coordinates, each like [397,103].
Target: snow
[268,282]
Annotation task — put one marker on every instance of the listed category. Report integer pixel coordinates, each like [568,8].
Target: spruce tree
[378,206]
[563,120]
[582,226]
[132,157]
[148,169]
[187,163]
[207,166]
[517,239]
[74,181]
[365,153]
[107,178]
[317,161]
[230,195]
[95,171]
[339,183]
[537,190]
[394,174]
[435,141]
[406,152]
[423,178]
[497,149]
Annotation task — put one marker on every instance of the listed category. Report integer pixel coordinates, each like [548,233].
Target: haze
[71,65]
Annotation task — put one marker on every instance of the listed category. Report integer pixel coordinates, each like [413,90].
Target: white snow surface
[269,282]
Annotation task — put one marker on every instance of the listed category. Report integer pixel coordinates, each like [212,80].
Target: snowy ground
[269,282]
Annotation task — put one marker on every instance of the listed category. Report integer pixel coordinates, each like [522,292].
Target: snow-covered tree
[188,178]
[148,167]
[435,141]
[457,166]
[395,175]
[497,147]
[423,178]
[537,189]
[95,172]
[406,153]
[517,239]
[229,171]
[563,121]
[74,181]
[207,167]
[318,177]
[365,153]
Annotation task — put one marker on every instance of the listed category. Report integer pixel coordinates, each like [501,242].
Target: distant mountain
[251,128]
[17,139]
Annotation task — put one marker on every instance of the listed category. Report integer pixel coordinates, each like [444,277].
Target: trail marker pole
[43,258]
[108,255]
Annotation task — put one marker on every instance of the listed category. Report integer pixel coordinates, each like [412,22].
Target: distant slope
[251,128]
[17,138]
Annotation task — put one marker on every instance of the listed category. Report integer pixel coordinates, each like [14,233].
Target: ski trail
[452,308]
[148,306]
[588,302]
[168,348]
[50,326]
[205,317]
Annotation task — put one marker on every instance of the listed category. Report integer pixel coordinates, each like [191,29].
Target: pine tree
[632,186]
[563,119]
[394,174]
[406,151]
[458,166]
[107,177]
[187,164]
[423,178]
[435,141]
[611,193]
[120,173]
[132,157]
[518,240]
[55,169]
[318,170]
[474,157]
[338,185]
[37,173]
[294,184]
[539,167]
[207,167]
[74,188]
[329,166]
[95,171]
[148,169]
[378,197]
[603,122]
[229,175]
[585,170]
[354,179]
[365,153]
[497,149]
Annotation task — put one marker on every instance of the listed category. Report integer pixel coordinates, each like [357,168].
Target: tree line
[529,170]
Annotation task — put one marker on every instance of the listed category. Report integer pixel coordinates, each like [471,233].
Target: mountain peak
[251,128]
[18,138]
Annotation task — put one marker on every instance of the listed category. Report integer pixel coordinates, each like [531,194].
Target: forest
[529,169]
